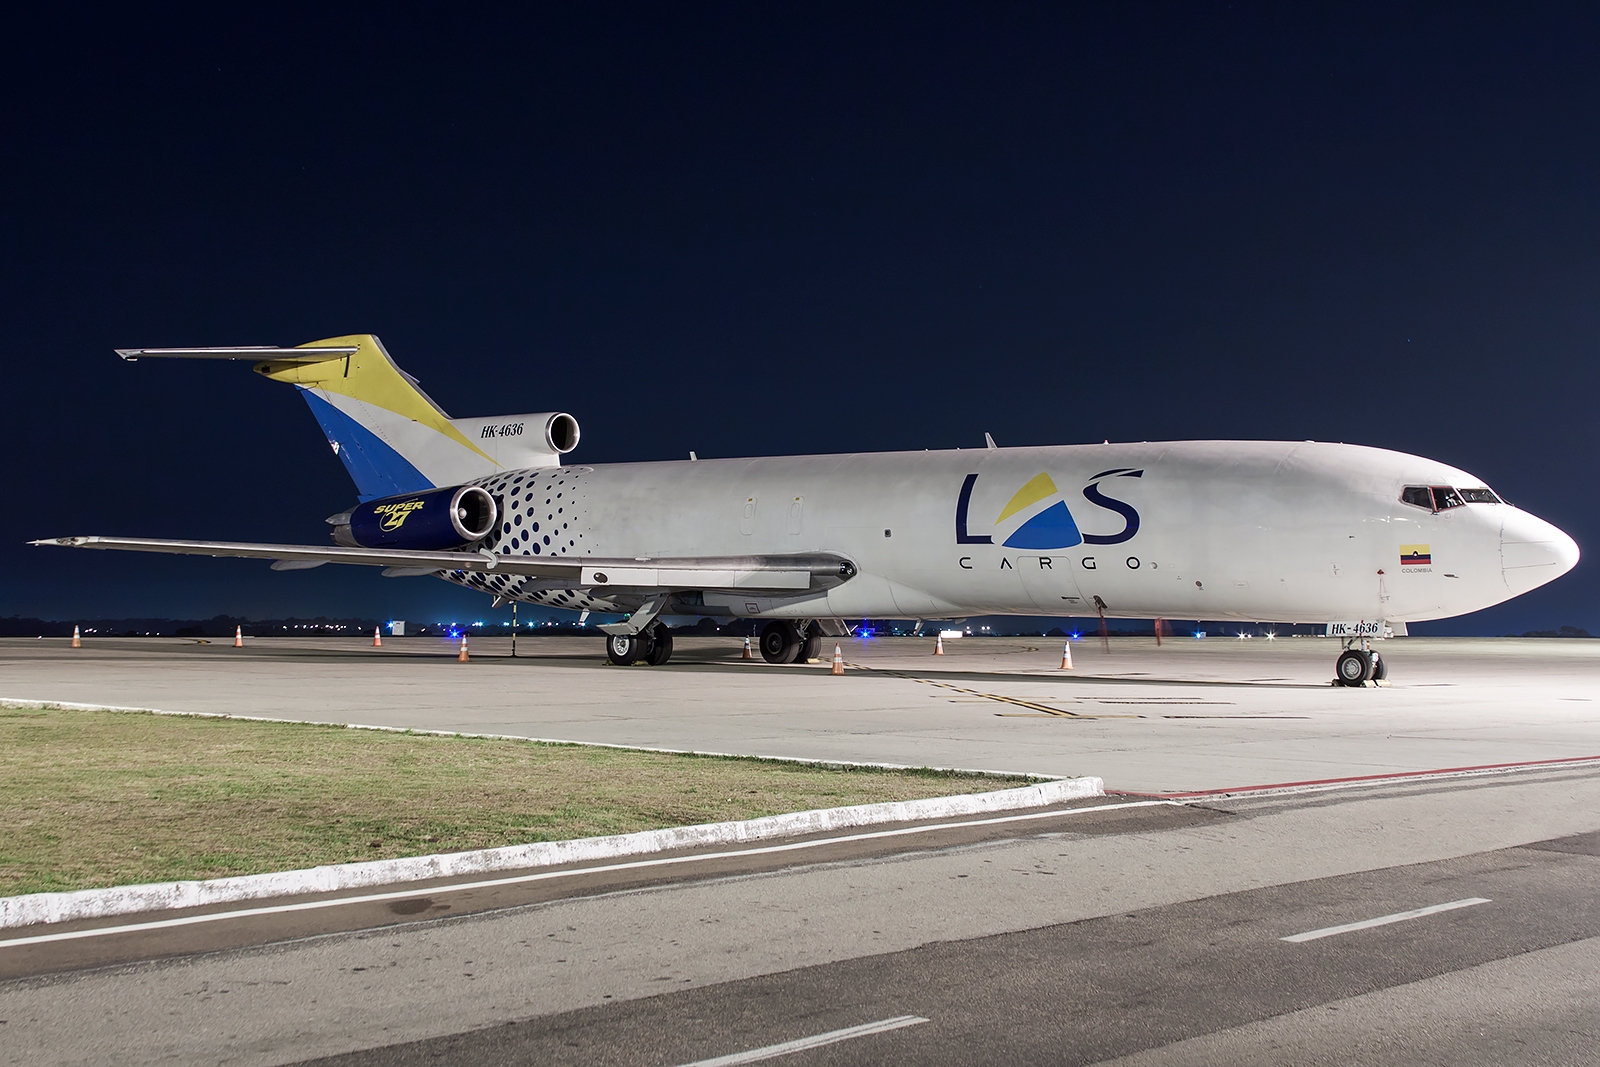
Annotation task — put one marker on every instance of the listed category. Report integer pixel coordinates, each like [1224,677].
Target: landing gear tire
[1354,667]
[810,647]
[660,646]
[1380,669]
[780,642]
[624,650]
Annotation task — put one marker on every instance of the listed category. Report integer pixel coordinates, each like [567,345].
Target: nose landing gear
[1358,666]
[1354,666]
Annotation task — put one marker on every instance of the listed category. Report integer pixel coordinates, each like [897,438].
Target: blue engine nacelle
[427,521]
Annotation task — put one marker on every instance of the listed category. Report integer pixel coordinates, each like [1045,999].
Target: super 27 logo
[395,515]
[1053,525]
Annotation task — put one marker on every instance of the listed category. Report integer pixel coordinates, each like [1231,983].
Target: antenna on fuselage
[988,439]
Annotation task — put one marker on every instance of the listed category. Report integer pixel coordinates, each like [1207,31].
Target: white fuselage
[1262,531]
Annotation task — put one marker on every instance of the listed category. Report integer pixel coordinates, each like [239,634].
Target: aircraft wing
[797,573]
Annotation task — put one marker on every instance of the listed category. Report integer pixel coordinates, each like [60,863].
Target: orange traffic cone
[1066,656]
[938,646]
[377,637]
[838,660]
[461,657]
[747,654]
[238,637]
[77,641]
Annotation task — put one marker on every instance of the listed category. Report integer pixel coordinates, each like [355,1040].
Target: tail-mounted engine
[428,521]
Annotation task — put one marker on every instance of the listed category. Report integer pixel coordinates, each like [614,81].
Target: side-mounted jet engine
[429,521]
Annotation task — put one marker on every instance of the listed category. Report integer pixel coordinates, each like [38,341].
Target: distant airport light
[1198,634]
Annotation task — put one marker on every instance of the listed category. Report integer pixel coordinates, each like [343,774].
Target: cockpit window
[1418,495]
[1443,497]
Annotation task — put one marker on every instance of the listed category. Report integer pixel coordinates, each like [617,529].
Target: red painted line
[1396,776]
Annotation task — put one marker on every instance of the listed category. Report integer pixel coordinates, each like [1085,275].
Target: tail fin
[390,435]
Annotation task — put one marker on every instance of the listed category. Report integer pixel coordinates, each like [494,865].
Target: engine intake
[427,521]
[561,433]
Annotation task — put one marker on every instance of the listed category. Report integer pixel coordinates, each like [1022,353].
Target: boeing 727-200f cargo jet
[1361,539]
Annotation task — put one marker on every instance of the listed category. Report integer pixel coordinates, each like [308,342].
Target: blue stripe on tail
[376,468]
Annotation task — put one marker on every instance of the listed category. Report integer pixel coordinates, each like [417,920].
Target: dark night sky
[771,228]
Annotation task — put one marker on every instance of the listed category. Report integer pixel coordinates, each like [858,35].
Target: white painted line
[541,876]
[1384,920]
[756,1055]
[1365,781]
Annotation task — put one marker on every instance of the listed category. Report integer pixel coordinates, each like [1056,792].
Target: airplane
[1361,540]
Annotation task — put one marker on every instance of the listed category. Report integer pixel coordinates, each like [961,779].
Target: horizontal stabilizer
[389,434]
[796,573]
[309,354]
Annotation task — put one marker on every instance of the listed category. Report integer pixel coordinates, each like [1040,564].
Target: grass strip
[95,798]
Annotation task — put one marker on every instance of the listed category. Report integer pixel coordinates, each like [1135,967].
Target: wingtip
[69,542]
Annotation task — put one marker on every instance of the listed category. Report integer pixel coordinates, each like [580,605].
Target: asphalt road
[1119,985]
[1150,936]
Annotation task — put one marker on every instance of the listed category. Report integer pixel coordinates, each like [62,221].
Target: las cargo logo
[395,515]
[1047,523]
[1415,556]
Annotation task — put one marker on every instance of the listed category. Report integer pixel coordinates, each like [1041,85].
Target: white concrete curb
[158,896]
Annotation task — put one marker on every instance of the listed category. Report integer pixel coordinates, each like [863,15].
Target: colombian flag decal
[1415,556]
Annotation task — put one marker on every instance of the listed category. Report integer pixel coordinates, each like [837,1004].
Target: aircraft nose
[1533,552]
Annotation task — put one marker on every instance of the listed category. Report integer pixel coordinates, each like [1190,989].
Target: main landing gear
[1359,664]
[652,645]
[785,642]
[781,642]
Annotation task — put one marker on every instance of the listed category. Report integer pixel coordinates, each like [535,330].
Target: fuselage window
[1418,495]
[1479,496]
[1445,497]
